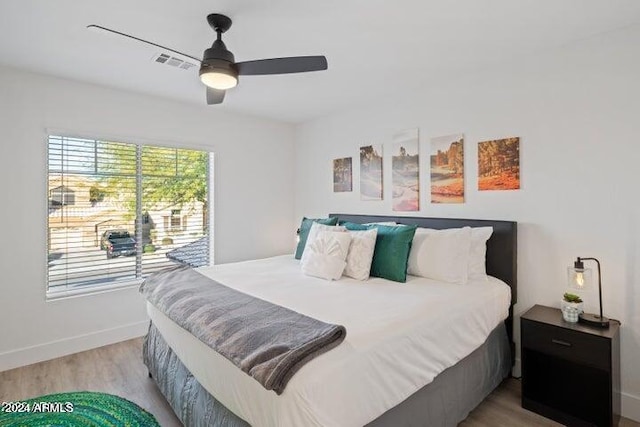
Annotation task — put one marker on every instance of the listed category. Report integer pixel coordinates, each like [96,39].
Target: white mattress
[399,337]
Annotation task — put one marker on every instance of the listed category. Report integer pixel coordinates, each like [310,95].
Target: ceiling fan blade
[294,64]
[100,28]
[215,96]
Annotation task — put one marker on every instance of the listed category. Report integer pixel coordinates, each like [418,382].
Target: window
[175,219]
[118,211]
[62,196]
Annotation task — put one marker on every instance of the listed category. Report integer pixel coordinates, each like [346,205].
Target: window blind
[120,211]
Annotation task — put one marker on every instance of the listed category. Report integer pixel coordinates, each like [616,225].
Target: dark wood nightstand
[570,372]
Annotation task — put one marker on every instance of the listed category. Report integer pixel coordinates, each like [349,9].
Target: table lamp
[580,278]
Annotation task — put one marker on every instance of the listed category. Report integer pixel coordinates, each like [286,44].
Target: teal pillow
[391,254]
[353,226]
[305,226]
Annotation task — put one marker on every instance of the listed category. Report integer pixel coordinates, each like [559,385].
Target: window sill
[91,290]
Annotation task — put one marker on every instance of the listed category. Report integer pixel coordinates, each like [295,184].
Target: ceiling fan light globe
[218,80]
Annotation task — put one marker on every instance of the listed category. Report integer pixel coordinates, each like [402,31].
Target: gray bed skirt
[446,401]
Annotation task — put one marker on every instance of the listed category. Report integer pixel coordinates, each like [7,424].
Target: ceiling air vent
[163,58]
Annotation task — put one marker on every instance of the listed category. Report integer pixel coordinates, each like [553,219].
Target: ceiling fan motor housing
[218,57]
[218,50]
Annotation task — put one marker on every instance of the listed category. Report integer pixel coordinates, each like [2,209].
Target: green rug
[77,409]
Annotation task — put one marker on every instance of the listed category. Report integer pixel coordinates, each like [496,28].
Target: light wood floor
[118,369]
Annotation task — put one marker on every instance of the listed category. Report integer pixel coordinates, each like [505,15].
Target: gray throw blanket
[265,340]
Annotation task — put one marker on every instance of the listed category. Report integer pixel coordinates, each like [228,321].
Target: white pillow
[478,252]
[441,254]
[381,223]
[360,253]
[313,232]
[325,256]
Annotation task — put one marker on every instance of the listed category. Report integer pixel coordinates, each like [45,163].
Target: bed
[375,379]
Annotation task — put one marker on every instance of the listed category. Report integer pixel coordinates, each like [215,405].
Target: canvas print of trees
[371,172]
[499,164]
[405,165]
[447,169]
[342,175]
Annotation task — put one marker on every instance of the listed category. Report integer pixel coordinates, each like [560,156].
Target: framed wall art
[405,168]
[447,169]
[342,175]
[499,164]
[371,172]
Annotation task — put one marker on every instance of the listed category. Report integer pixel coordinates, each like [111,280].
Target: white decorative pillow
[325,256]
[478,252]
[381,223]
[360,253]
[441,254]
[313,232]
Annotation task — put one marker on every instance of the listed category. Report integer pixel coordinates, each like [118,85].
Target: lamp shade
[580,278]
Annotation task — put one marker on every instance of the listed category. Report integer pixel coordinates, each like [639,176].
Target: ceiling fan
[218,69]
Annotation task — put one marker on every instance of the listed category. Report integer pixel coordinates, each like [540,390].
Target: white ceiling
[375,49]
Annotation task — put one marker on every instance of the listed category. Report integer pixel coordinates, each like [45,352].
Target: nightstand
[570,372]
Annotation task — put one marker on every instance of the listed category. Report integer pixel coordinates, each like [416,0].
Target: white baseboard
[54,349]
[630,406]
[516,370]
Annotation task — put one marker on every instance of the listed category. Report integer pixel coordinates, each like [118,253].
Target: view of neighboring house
[75,215]
[83,208]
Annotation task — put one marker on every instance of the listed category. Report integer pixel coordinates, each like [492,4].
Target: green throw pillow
[305,226]
[353,226]
[392,251]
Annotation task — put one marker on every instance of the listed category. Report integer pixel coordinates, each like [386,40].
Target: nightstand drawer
[570,345]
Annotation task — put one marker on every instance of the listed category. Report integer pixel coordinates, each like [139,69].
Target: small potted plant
[571,307]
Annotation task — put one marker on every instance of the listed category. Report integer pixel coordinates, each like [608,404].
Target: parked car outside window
[118,242]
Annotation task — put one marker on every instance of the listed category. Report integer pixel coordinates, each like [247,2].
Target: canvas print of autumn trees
[371,172]
[342,175]
[406,171]
[447,169]
[499,164]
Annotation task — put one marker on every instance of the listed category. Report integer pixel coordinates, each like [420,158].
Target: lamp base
[593,320]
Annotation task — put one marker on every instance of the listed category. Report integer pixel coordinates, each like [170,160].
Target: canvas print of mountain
[499,164]
[371,172]
[405,166]
[447,169]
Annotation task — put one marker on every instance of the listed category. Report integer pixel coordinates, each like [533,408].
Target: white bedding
[399,337]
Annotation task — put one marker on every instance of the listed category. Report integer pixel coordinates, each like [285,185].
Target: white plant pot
[571,310]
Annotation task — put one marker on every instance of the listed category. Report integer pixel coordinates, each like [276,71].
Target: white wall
[253,201]
[577,113]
